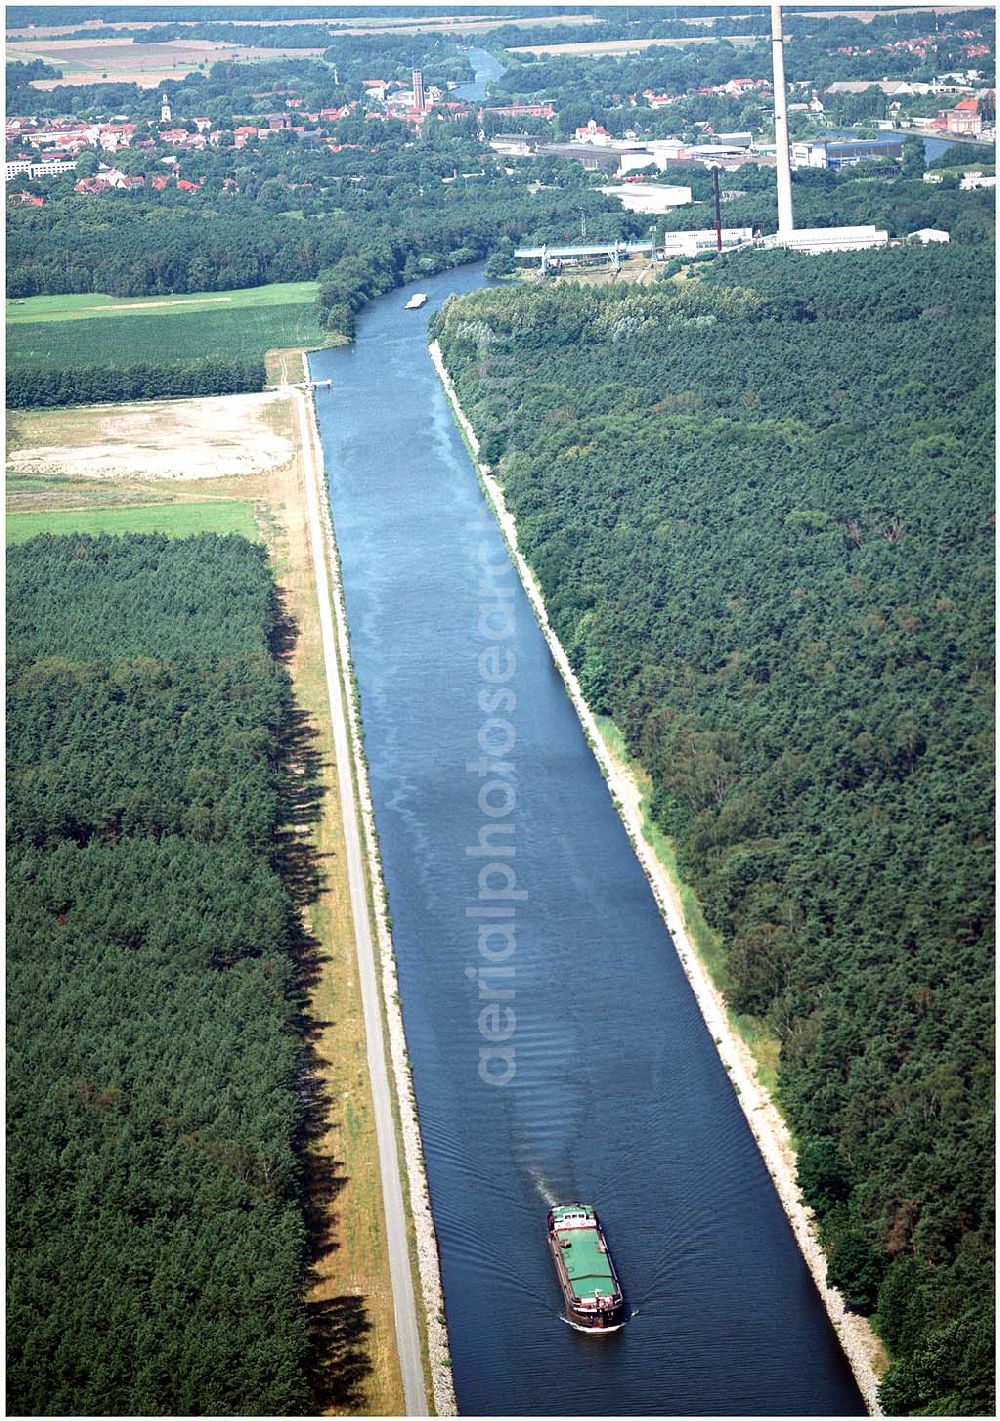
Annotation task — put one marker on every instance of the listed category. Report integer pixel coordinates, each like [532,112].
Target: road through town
[404,1301]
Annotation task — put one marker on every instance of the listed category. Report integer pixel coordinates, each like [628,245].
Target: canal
[616,1095]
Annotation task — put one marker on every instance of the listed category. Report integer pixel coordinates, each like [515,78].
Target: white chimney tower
[785,223]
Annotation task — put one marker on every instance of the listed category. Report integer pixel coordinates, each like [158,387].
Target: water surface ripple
[619,1097]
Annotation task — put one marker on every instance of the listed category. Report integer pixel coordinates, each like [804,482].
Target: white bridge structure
[613,251]
[673,244]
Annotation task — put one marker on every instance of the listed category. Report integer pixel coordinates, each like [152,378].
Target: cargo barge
[592,1292]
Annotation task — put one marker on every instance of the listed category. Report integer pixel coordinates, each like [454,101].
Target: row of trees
[156,1239]
[111,384]
[759,505]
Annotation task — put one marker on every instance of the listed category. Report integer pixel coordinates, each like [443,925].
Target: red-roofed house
[25,199]
[108,179]
[113,136]
[963,118]
[592,133]
[159,182]
[183,185]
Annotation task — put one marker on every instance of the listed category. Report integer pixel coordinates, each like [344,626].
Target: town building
[926,235]
[38,168]
[51,167]
[963,120]
[593,132]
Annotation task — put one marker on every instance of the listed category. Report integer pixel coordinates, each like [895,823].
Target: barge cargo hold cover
[587,1276]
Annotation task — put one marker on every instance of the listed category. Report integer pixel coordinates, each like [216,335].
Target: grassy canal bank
[182,467]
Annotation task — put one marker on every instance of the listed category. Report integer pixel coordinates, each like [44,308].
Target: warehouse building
[836,154]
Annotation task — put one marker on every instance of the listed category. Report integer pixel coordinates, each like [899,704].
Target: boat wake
[545,1190]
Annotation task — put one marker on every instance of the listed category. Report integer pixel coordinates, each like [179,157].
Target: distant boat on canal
[418,299]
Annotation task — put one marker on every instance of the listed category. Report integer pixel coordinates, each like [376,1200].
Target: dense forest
[291,223]
[156,1237]
[759,502]
[110,384]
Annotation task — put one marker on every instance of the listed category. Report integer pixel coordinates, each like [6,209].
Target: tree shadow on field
[284,631]
[339,1360]
[294,854]
[338,1328]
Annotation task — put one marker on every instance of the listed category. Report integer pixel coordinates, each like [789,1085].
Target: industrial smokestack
[785,223]
[718,209]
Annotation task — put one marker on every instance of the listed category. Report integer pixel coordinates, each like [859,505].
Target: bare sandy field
[227,436]
[866,16]
[378,24]
[464,25]
[124,61]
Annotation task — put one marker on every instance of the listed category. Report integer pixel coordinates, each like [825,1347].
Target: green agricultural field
[177,520]
[56,331]
[88,304]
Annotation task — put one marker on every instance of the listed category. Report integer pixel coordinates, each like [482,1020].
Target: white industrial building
[828,239]
[975,179]
[926,235]
[690,244]
[836,154]
[649,197]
